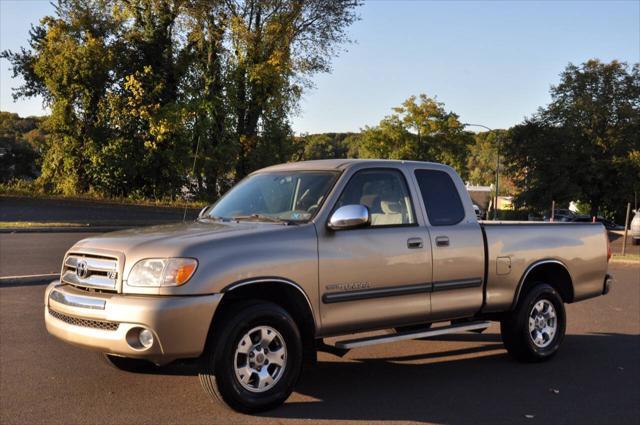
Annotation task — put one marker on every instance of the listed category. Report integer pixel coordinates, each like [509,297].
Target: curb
[624,261]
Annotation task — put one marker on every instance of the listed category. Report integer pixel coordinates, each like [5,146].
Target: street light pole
[495,206]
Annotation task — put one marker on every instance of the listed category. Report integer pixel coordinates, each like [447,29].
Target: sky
[491,62]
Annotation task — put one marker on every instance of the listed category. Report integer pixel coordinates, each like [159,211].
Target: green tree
[20,142]
[482,158]
[421,129]
[69,66]
[542,172]
[276,46]
[137,87]
[584,145]
[325,146]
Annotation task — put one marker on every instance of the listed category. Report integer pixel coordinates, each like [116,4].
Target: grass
[627,258]
[37,224]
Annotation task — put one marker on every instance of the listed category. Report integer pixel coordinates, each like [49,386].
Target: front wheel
[254,361]
[534,331]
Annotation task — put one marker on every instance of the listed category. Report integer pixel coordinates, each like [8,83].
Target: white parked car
[477,211]
[635,228]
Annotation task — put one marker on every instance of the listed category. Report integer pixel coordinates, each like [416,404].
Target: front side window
[384,192]
[290,196]
[440,197]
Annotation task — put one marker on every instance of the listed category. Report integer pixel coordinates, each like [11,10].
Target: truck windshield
[276,196]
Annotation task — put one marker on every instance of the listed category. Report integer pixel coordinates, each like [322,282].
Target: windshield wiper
[262,217]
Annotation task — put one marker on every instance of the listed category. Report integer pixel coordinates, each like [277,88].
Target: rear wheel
[254,361]
[635,241]
[534,331]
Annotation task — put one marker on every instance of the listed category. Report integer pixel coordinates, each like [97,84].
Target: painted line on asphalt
[28,276]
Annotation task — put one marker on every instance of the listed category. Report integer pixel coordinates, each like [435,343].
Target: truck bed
[514,247]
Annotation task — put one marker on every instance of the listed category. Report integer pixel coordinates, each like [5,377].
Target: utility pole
[495,211]
[626,228]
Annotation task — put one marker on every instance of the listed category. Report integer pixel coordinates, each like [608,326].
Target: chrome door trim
[447,285]
[365,294]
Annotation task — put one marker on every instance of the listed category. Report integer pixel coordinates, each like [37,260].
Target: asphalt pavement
[465,378]
[34,254]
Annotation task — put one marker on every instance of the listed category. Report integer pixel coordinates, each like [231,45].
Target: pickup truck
[299,252]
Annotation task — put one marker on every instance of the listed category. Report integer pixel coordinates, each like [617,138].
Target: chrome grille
[90,271]
[86,323]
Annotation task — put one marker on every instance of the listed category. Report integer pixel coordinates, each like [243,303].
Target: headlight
[155,272]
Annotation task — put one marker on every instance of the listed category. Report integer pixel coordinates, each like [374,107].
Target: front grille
[86,323]
[90,271]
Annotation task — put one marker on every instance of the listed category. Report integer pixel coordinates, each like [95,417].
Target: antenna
[193,171]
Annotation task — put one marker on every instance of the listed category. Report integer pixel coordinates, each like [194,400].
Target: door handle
[414,243]
[442,241]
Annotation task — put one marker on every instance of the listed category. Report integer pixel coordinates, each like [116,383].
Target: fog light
[146,338]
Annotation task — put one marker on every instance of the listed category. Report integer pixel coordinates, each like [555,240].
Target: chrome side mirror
[202,212]
[349,216]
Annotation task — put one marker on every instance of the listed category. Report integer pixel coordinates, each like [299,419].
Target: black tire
[635,241]
[217,365]
[128,364]
[413,328]
[518,339]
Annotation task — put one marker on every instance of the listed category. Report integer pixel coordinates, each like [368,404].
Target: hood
[172,239]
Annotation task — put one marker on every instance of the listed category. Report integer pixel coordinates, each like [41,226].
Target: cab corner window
[384,192]
[440,196]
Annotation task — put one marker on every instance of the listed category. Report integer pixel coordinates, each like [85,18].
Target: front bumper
[109,322]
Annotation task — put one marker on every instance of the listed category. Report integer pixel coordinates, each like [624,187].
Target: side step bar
[383,339]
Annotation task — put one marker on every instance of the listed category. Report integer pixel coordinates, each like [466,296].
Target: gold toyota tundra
[299,252]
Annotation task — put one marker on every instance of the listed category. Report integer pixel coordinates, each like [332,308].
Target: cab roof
[339,164]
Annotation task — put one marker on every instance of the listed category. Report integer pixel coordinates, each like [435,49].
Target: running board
[383,339]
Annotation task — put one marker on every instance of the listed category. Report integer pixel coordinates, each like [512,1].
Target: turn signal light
[184,272]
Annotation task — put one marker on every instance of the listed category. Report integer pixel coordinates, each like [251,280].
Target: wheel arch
[551,271]
[283,292]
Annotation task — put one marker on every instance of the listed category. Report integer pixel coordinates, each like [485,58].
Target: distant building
[505,202]
[480,195]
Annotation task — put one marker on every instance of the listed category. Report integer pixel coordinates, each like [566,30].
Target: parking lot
[452,379]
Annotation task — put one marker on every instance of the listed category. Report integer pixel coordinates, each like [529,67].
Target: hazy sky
[492,62]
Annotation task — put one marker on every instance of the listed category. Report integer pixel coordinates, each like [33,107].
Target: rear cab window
[441,198]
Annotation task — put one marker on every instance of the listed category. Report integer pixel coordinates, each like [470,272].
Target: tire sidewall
[538,293]
[224,357]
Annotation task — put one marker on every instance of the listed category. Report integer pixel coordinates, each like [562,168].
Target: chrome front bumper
[108,322]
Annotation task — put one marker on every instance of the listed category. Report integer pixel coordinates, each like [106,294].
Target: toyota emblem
[82,270]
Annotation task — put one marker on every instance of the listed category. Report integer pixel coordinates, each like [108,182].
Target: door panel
[458,247]
[458,271]
[379,275]
[377,278]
